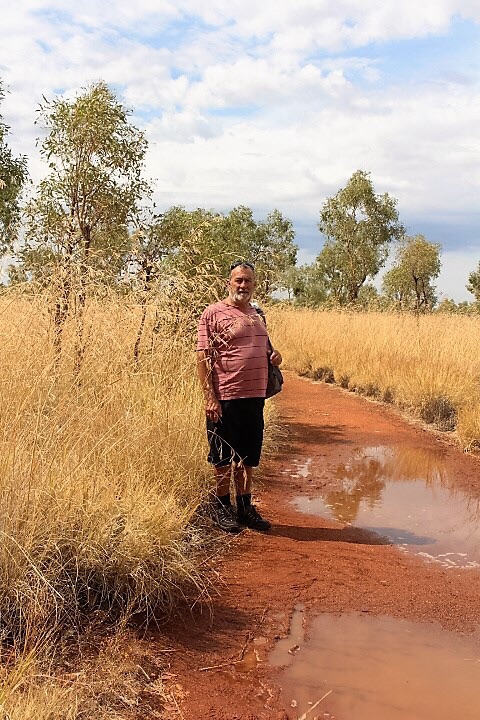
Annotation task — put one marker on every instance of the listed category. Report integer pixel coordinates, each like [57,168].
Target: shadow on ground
[322,534]
[314,435]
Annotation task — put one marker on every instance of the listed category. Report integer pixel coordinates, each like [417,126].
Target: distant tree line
[91,223]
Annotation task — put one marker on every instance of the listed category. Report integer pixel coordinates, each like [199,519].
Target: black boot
[247,514]
[225,516]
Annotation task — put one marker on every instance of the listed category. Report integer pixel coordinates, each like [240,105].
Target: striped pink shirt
[237,341]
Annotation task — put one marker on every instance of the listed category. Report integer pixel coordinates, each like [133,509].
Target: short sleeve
[204,331]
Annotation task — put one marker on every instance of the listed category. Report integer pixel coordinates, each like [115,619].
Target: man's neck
[240,306]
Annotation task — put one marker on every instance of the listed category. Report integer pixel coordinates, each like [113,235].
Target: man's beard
[239,297]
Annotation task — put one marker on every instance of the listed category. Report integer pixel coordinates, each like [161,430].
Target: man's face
[241,285]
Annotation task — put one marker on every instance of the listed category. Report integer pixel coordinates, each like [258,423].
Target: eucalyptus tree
[78,221]
[359,226]
[273,251]
[170,268]
[201,242]
[13,174]
[268,244]
[411,279]
[305,285]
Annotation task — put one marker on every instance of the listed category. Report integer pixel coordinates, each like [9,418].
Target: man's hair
[242,264]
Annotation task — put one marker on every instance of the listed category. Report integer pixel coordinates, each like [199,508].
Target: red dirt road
[326,566]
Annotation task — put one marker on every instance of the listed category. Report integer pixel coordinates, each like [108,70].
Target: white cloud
[313,118]
[456,267]
[305,256]
[421,147]
[332,24]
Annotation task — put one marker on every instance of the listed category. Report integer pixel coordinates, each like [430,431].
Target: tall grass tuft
[101,474]
[102,487]
[428,364]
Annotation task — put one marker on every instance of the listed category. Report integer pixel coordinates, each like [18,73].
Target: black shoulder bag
[275,377]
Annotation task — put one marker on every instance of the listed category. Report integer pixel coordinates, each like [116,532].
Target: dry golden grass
[102,475]
[104,679]
[429,364]
[101,478]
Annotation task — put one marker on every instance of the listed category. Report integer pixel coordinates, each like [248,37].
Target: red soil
[304,559]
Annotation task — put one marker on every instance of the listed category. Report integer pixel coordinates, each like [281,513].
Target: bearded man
[233,351]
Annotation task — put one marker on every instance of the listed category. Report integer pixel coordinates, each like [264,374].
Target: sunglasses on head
[242,263]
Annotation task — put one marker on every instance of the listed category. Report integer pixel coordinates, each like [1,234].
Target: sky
[274,104]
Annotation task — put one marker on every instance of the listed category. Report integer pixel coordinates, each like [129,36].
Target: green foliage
[359,225]
[155,238]
[273,252]
[410,281]
[267,243]
[447,305]
[368,297]
[13,174]
[173,264]
[474,283]
[180,241]
[305,285]
[82,209]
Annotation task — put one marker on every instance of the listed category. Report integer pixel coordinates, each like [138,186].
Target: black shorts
[238,435]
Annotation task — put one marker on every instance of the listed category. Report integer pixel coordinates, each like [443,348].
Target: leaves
[183,241]
[359,226]
[410,281]
[13,174]
[473,285]
[83,208]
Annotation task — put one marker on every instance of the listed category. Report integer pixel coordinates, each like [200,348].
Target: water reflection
[407,496]
[378,668]
[364,477]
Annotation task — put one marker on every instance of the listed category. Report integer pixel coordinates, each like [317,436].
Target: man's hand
[275,357]
[213,408]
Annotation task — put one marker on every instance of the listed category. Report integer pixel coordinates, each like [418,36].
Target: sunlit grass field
[427,364]
[102,475]
[104,486]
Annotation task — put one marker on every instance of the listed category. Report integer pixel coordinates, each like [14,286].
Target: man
[233,351]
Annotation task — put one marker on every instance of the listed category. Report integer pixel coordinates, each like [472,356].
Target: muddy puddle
[405,495]
[377,668]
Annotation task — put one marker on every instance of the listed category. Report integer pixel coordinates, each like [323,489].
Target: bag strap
[262,315]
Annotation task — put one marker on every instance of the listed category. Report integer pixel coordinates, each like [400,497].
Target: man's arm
[213,408]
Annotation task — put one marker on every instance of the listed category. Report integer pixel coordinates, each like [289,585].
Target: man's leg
[243,475]
[247,514]
[225,513]
[220,450]
[223,477]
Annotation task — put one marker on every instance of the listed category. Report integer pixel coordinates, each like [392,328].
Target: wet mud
[372,668]
[364,598]
[404,494]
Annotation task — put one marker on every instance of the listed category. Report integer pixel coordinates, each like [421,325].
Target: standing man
[232,355]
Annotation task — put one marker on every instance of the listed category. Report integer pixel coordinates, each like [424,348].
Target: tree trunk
[143,303]
[82,301]
[60,314]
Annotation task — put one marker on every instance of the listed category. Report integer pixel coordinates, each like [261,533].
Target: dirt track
[325,565]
